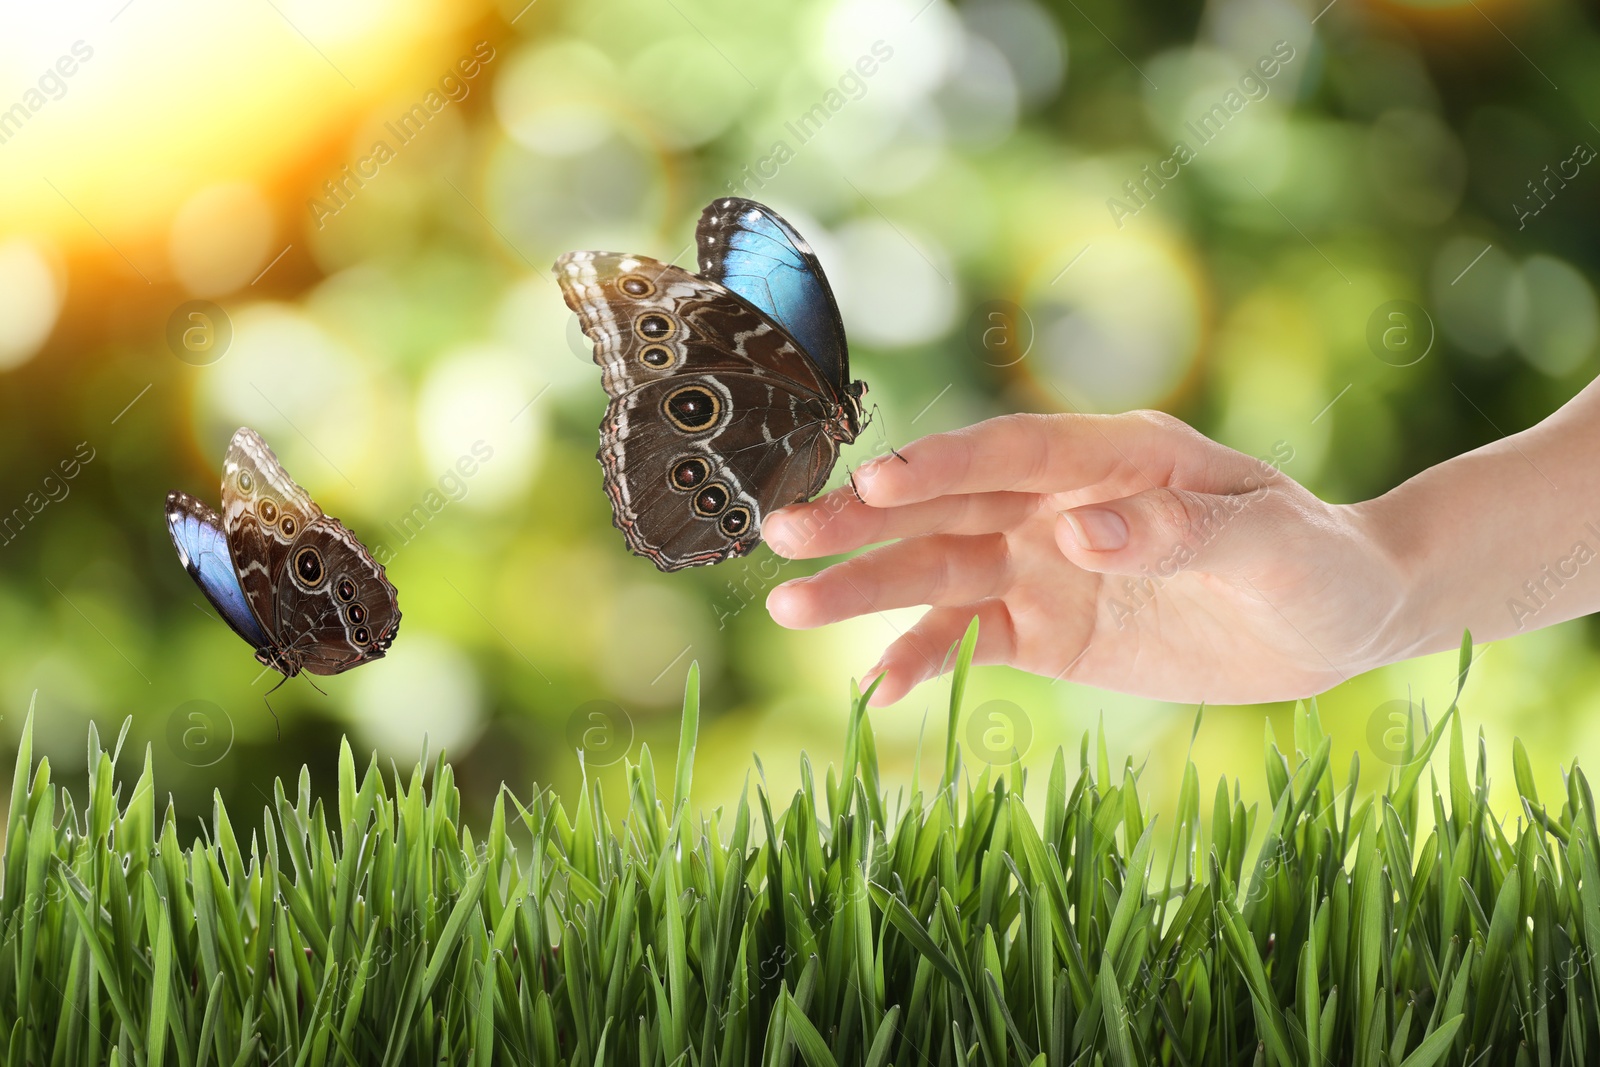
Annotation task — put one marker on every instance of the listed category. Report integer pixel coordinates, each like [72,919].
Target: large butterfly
[730,389]
[287,578]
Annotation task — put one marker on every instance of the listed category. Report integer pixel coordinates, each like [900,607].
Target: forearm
[1501,540]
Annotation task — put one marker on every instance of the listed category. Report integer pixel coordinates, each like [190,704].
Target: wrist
[1414,617]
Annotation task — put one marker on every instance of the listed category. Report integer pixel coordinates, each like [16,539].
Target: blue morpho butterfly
[730,389]
[287,578]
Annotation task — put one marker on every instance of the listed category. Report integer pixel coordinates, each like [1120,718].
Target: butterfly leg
[277,723]
[876,411]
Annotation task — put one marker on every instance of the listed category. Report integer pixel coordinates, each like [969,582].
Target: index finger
[1119,454]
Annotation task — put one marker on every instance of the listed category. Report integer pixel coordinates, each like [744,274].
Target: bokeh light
[221,238]
[30,299]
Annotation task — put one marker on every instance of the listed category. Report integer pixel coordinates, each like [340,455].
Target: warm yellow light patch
[113,122]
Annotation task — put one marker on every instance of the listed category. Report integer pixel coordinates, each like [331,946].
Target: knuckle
[958,516]
[961,516]
[1158,419]
[1172,511]
[939,577]
[1025,429]
[1023,420]
[998,552]
[1165,423]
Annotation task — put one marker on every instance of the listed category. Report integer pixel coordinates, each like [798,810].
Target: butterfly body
[719,412]
[288,578]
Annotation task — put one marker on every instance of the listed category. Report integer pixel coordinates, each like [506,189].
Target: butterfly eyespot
[688,473]
[268,512]
[712,499]
[288,525]
[361,635]
[356,613]
[736,521]
[654,326]
[634,285]
[246,482]
[692,408]
[658,357]
[308,567]
[346,590]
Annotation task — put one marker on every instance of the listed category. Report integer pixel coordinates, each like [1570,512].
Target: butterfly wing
[336,608]
[716,418]
[685,499]
[748,248]
[203,550]
[314,587]
[263,512]
[650,320]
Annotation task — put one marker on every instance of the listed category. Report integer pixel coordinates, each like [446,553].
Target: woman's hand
[1123,551]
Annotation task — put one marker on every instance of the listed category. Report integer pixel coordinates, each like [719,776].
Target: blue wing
[748,248]
[203,550]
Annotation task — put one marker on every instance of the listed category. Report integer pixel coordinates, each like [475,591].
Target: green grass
[947,927]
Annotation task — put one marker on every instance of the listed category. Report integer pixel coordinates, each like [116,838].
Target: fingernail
[1097,529]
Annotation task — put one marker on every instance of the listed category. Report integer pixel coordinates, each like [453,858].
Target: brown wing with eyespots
[336,608]
[716,416]
[324,602]
[263,512]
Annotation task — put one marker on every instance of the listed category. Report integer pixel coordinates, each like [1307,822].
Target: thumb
[1164,531]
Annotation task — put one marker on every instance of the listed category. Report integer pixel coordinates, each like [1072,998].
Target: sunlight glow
[222,93]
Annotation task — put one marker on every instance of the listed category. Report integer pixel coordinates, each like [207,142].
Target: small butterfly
[287,578]
[730,389]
